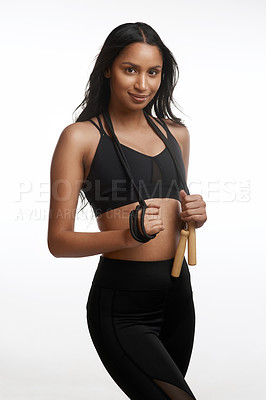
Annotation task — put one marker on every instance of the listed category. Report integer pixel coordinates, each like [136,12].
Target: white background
[47,52]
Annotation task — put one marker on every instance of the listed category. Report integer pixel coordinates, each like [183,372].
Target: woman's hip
[139,275]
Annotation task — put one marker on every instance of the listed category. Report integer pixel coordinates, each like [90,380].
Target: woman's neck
[126,118]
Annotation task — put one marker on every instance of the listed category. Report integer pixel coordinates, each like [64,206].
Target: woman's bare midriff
[162,247]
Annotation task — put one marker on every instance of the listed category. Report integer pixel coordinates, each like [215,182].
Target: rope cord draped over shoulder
[176,160]
[139,235]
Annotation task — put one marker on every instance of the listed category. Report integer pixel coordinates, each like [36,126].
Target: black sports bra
[107,185]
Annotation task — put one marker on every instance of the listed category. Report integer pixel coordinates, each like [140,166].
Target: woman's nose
[141,82]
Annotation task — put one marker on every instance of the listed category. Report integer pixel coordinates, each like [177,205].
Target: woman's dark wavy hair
[97,93]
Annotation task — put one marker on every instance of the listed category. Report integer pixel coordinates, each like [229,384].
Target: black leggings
[141,321]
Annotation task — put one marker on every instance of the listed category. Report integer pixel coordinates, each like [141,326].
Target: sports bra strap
[100,127]
[164,125]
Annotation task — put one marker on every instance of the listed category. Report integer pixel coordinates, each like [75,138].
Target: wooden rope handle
[185,235]
[179,255]
[192,260]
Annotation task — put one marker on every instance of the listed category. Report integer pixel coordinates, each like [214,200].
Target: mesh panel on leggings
[172,391]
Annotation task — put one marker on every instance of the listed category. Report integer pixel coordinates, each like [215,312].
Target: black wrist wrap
[139,235]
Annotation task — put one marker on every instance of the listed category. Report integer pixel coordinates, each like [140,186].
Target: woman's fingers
[152,209]
[151,230]
[153,226]
[152,212]
[152,220]
[196,203]
[193,209]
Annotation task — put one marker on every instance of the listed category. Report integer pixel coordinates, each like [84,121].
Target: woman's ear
[107,73]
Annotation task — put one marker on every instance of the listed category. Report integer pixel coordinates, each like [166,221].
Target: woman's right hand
[153,222]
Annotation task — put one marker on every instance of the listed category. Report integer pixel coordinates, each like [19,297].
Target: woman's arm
[82,244]
[66,177]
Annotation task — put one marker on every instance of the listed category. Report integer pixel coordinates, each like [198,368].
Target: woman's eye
[130,70]
[153,72]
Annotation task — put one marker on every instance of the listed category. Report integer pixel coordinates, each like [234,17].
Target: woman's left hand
[193,208]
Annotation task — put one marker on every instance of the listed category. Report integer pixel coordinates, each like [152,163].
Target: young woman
[140,318]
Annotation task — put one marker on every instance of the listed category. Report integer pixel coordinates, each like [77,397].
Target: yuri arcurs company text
[32,198]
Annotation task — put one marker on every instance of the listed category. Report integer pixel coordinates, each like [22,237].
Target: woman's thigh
[177,333]
[140,355]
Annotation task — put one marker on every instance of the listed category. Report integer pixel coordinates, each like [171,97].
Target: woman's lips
[139,98]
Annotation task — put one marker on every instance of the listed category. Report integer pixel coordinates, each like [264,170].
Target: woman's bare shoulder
[180,133]
[79,135]
[79,131]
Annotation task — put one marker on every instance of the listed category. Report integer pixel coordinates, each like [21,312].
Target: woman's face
[135,76]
